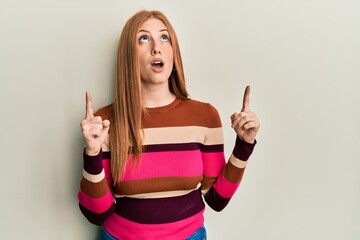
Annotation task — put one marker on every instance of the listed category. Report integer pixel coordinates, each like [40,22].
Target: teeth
[157,64]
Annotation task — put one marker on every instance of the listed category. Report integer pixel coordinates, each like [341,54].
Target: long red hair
[127,109]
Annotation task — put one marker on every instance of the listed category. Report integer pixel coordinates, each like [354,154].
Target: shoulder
[105,112]
[201,106]
[204,111]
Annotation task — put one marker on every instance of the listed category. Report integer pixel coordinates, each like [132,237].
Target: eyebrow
[162,30]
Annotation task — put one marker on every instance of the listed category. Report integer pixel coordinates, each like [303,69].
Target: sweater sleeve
[95,197]
[221,179]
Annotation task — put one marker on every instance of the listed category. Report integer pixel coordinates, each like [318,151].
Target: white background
[302,59]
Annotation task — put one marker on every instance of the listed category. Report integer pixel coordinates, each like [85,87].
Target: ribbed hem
[93,164]
[242,149]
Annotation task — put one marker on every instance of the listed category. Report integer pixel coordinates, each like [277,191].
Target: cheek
[142,61]
[141,55]
[170,56]
[142,67]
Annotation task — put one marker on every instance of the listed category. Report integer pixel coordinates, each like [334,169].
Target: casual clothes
[182,165]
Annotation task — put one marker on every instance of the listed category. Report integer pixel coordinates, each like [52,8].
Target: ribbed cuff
[93,164]
[242,149]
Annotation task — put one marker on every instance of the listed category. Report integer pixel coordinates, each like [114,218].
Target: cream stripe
[204,191]
[237,162]
[186,134]
[94,178]
[160,194]
[214,136]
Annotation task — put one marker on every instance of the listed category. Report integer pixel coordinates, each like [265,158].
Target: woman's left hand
[245,123]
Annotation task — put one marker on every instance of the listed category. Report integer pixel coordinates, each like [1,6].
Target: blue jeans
[200,234]
[104,235]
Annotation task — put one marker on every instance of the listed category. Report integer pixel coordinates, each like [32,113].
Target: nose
[155,48]
[155,51]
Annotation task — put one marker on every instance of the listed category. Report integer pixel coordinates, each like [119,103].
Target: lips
[157,65]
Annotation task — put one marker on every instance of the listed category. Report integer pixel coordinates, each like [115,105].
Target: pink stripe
[213,163]
[107,169]
[96,205]
[122,228]
[167,164]
[225,188]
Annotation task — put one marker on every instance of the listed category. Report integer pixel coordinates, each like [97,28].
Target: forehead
[153,24]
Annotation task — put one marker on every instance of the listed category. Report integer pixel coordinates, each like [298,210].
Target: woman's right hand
[94,129]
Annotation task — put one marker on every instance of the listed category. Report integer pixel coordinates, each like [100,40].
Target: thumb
[106,124]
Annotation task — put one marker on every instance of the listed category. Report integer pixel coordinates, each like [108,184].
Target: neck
[156,96]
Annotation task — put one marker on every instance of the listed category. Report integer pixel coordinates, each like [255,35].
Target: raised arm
[225,184]
[96,200]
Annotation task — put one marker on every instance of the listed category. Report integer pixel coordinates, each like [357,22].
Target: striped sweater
[182,166]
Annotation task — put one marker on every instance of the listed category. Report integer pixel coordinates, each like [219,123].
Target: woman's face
[155,53]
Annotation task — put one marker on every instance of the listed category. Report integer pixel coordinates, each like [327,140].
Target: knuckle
[242,114]
[98,119]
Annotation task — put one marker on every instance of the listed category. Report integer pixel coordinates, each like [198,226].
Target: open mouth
[157,64]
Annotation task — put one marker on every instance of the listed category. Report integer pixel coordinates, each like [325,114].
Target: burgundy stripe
[96,218]
[215,201]
[160,210]
[183,147]
[243,150]
[93,164]
[106,155]
[171,147]
[212,148]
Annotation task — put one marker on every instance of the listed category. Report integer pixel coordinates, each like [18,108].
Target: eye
[144,39]
[165,38]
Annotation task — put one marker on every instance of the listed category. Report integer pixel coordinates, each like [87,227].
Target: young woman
[148,173]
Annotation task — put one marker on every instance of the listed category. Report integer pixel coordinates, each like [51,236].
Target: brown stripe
[161,184]
[95,190]
[185,113]
[232,173]
[208,182]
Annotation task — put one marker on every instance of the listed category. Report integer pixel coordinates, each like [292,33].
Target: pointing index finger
[89,109]
[246,99]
